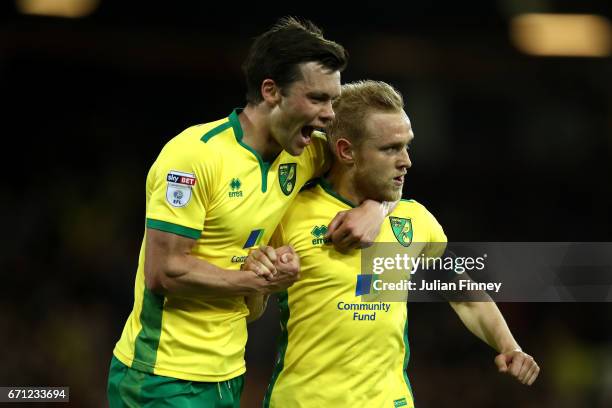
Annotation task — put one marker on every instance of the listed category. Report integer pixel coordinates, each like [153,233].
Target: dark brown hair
[277,53]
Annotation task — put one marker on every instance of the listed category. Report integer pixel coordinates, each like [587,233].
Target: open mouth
[306,133]
[399,180]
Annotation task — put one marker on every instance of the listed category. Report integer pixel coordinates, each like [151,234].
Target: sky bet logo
[318,232]
[178,191]
[174,177]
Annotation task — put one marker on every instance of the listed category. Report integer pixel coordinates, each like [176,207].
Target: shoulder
[421,219]
[188,153]
[409,205]
[198,140]
[205,135]
[412,208]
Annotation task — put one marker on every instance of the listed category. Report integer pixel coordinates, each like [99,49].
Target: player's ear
[270,92]
[345,151]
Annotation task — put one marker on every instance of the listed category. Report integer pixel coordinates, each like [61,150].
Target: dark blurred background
[509,146]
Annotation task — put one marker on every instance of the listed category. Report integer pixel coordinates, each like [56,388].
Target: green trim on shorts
[128,387]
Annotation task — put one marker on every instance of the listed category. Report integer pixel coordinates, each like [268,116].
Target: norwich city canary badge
[286,177]
[402,229]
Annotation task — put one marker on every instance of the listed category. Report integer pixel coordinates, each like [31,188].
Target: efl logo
[178,192]
[364,285]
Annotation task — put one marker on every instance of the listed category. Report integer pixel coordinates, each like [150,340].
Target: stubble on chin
[393,194]
[397,195]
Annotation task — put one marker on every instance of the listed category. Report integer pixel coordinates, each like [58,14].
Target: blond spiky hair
[356,101]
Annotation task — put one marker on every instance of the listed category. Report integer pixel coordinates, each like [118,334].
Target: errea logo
[235,185]
[318,232]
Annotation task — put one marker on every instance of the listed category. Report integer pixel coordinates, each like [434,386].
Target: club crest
[287,173]
[402,229]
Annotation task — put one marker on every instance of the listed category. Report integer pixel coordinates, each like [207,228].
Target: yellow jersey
[337,350]
[208,185]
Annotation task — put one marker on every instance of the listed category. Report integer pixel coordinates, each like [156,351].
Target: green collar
[263,165]
[235,122]
[329,190]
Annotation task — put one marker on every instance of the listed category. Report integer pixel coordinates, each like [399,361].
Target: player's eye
[320,99]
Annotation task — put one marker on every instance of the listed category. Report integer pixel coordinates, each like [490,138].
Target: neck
[254,121]
[342,180]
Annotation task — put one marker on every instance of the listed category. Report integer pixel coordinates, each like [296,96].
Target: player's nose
[404,161]
[327,114]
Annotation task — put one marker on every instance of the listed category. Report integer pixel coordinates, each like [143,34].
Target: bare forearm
[170,268]
[486,322]
[358,227]
[186,274]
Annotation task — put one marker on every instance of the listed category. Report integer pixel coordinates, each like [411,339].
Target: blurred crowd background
[513,143]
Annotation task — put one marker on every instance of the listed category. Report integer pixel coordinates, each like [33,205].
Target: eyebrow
[321,95]
[395,144]
[398,144]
